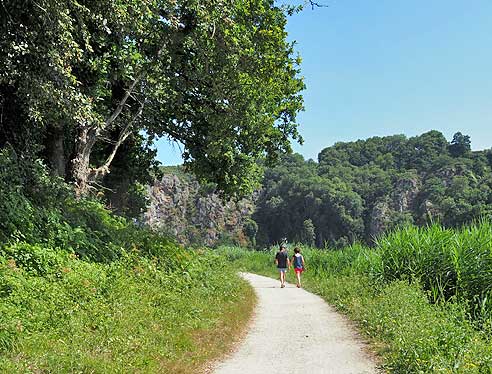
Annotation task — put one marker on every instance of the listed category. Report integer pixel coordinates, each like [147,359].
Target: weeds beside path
[132,315]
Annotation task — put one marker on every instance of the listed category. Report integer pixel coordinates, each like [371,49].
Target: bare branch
[314,4]
[123,101]
[128,93]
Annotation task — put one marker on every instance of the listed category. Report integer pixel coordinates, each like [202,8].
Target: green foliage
[418,337]
[293,193]
[251,229]
[62,314]
[14,207]
[36,208]
[83,290]
[360,189]
[34,259]
[89,86]
[27,194]
[308,233]
[448,263]
[460,145]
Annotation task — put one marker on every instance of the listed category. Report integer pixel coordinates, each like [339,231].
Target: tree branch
[125,132]
[123,101]
[314,4]
[128,93]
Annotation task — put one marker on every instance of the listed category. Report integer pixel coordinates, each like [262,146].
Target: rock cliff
[193,214]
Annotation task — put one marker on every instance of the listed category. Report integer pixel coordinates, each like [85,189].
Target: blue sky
[376,68]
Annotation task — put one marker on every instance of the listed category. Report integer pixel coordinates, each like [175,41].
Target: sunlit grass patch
[132,315]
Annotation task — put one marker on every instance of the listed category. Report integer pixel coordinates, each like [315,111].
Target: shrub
[34,259]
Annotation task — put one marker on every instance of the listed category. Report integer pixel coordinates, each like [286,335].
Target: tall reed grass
[450,264]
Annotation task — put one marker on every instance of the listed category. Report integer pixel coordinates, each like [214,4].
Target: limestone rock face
[168,205]
[396,208]
[379,218]
[180,207]
[405,193]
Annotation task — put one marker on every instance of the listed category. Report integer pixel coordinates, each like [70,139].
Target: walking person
[299,265]
[282,261]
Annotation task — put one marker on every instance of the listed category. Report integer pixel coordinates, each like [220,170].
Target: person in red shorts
[299,265]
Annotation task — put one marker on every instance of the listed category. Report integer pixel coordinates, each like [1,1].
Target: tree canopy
[80,79]
[357,190]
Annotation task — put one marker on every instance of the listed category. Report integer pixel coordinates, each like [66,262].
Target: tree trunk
[55,150]
[83,174]
[81,163]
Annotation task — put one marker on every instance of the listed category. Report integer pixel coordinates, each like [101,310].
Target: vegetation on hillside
[358,190]
[422,295]
[355,192]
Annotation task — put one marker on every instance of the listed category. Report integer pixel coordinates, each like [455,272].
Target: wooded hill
[357,190]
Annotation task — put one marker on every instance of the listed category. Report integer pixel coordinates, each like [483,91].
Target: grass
[449,263]
[129,316]
[421,296]
[212,344]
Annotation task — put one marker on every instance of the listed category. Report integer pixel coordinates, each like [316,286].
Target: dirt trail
[296,332]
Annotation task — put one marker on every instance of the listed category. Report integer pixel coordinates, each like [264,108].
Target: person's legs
[298,275]
[282,277]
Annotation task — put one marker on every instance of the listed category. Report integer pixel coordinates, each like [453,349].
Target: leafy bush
[14,206]
[34,259]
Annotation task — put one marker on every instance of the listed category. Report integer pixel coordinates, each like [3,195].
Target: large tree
[217,76]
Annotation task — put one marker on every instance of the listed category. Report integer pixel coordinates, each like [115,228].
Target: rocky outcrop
[181,208]
[379,219]
[168,209]
[405,192]
[396,208]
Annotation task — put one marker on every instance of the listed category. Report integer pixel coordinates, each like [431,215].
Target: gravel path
[296,332]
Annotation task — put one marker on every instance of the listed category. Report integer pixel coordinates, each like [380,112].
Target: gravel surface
[296,332]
